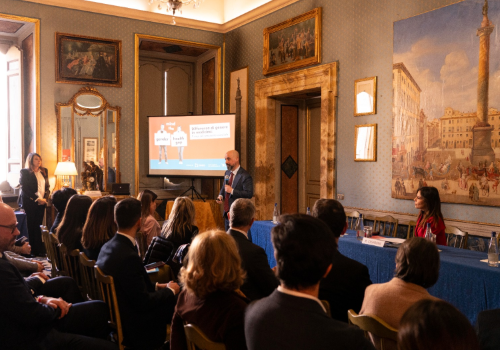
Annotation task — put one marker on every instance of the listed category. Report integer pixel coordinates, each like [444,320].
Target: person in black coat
[293,317]
[260,280]
[60,199]
[145,309]
[344,287]
[33,199]
[237,184]
[487,326]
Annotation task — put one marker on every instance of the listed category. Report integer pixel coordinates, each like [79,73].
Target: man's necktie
[226,198]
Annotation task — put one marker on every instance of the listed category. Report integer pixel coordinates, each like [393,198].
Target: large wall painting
[446,103]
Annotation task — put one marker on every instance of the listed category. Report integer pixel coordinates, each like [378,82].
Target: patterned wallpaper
[54,19]
[358,34]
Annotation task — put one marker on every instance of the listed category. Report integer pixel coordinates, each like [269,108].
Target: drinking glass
[368,231]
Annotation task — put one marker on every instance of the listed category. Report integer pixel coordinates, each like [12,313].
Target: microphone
[226,179]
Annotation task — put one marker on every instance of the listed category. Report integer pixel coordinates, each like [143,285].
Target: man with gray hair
[260,280]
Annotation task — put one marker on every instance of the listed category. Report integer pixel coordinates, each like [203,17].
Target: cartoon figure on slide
[179,139]
[162,140]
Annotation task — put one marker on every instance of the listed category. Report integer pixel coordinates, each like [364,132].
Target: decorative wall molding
[474,228]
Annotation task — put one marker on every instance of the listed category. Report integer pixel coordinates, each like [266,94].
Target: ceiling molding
[112,10]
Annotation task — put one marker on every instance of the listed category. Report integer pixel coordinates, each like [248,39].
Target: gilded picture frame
[88,60]
[294,43]
[365,143]
[365,96]
[90,147]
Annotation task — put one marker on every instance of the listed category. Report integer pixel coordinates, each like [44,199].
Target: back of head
[213,264]
[75,215]
[61,197]
[417,261]
[332,213]
[435,325]
[241,213]
[127,213]
[146,197]
[303,247]
[100,226]
[181,218]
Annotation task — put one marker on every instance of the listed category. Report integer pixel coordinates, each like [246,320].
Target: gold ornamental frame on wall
[296,51]
[368,86]
[96,61]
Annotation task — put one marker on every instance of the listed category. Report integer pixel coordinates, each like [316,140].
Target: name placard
[375,242]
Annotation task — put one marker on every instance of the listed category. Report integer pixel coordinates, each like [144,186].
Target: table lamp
[65,169]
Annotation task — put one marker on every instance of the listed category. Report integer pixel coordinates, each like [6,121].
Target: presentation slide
[190,145]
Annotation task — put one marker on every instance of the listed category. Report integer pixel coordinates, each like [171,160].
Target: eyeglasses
[10,227]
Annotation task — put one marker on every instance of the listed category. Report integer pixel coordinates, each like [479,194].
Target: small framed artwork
[238,104]
[365,143]
[365,96]
[294,43]
[88,60]
[90,149]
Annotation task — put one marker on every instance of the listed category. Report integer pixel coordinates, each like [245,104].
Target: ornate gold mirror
[88,130]
[365,143]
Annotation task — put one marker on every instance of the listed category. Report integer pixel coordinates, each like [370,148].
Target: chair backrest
[48,246]
[456,237]
[374,325]
[197,339]
[142,243]
[90,285]
[107,287]
[353,215]
[386,225]
[411,229]
[71,263]
[57,263]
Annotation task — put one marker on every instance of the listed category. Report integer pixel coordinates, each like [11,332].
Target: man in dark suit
[487,326]
[237,184]
[145,309]
[344,287]
[293,317]
[30,322]
[260,280]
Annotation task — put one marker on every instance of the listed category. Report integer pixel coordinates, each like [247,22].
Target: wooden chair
[354,215]
[196,339]
[90,285]
[107,288]
[460,236]
[71,263]
[386,225]
[57,263]
[142,243]
[48,246]
[411,233]
[374,325]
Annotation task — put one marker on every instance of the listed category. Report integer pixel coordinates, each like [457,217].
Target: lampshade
[65,169]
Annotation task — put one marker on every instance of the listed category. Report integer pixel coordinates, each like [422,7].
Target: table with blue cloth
[464,281]
[22,224]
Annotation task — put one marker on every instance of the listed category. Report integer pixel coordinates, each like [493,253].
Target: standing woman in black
[33,199]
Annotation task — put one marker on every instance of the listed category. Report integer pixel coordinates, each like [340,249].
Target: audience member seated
[70,230]
[487,327]
[43,322]
[344,287]
[417,269]
[26,266]
[261,280]
[436,325]
[293,317]
[177,231]
[210,299]
[60,199]
[149,226]
[145,309]
[100,226]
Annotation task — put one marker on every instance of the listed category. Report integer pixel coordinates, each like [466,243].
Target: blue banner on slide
[189,164]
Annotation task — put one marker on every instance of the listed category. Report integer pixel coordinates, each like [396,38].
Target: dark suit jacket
[487,327]
[260,280]
[219,315]
[29,186]
[144,312]
[283,321]
[242,186]
[344,287]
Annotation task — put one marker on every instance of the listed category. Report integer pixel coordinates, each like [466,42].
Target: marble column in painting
[481,131]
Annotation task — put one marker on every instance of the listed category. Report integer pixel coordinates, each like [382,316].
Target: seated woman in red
[427,200]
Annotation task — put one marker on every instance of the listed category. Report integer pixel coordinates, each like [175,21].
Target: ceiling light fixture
[175,5]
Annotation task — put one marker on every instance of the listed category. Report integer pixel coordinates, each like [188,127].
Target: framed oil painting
[365,96]
[88,60]
[90,149]
[238,104]
[446,104]
[293,44]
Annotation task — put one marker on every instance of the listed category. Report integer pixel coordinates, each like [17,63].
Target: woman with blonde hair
[149,226]
[211,299]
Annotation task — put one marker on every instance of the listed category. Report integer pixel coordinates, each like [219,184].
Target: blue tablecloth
[22,224]
[464,281]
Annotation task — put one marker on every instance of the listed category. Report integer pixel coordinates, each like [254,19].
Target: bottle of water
[308,212]
[275,213]
[493,251]
[428,233]
[360,227]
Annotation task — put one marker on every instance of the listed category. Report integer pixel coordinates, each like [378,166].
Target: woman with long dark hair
[429,204]
[60,199]
[100,226]
[33,198]
[149,226]
[70,230]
